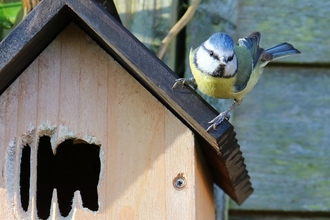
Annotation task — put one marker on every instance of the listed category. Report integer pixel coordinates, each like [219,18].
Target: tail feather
[282,50]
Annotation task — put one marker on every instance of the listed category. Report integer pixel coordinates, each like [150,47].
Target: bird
[224,70]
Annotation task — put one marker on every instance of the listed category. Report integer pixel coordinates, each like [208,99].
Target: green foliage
[9,12]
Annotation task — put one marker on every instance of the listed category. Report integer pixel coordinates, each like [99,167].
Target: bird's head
[216,56]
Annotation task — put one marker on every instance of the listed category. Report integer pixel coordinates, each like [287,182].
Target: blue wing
[252,44]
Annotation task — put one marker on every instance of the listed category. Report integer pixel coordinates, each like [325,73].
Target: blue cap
[222,41]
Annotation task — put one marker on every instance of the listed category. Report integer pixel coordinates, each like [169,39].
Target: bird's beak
[223,61]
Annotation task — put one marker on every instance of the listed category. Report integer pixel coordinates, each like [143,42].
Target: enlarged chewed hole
[24,178]
[75,166]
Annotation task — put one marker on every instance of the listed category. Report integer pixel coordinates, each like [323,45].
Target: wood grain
[301,23]
[283,126]
[143,145]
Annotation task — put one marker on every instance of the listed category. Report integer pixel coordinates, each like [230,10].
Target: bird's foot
[217,120]
[180,81]
[184,81]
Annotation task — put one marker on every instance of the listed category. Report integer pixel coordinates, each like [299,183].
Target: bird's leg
[183,82]
[217,120]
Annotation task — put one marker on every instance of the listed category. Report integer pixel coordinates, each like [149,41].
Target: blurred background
[283,124]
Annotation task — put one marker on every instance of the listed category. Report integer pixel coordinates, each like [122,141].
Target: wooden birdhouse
[91,128]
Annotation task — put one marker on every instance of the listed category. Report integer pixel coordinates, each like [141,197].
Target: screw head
[179,182]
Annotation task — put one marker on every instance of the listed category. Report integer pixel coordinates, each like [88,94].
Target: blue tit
[224,70]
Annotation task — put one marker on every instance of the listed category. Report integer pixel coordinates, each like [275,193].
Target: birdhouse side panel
[204,187]
[81,138]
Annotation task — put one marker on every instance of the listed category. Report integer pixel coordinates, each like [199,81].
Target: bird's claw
[180,81]
[184,81]
[218,120]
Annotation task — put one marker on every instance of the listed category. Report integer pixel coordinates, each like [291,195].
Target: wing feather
[247,47]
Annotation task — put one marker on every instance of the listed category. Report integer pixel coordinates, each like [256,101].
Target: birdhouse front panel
[80,138]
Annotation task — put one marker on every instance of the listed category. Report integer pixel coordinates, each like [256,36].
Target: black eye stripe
[230,58]
[212,54]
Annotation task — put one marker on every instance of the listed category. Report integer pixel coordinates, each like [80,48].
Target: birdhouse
[91,128]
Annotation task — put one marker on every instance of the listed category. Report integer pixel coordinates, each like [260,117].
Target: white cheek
[231,67]
[205,62]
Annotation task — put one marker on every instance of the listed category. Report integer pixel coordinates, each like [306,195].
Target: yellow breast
[212,86]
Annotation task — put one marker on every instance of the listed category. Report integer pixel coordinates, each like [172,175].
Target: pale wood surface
[204,197]
[303,216]
[300,22]
[283,127]
[78,90]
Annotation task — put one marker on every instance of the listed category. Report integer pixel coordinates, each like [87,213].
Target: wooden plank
[272,215]
[3,141]
[284,131]
[48,84]
[301,23]
[26,129]
[277,217]
[70,77]
[180,158]
[134,121]
[134,157]
[11,168]
[204,187]
[8,124]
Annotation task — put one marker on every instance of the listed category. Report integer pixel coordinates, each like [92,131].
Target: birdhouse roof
[102,23]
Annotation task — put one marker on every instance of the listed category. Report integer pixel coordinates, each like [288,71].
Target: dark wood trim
[228,168]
